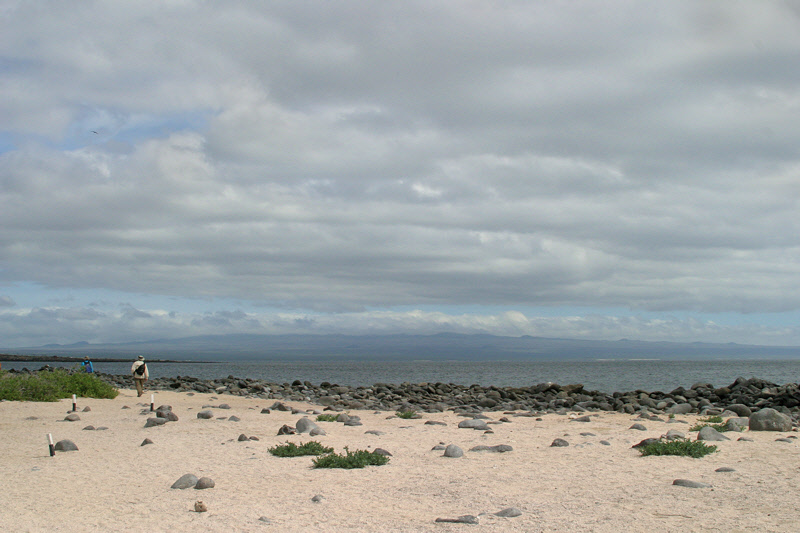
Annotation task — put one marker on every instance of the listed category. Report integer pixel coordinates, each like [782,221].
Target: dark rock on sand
[770,420]
[638,427]
[155,421]
[286,430]
[72,418]
[559,443]
[318,498]
[725,469]
[234,418]
[453,451]
[243,438]
[464,519]
[305,425]
[66,445]
[509,512]
[473,423]
[145,442]
[185,481]
[645,442]
[381,451]
[317,431]
[499,448]
[691,484]
[710,434]
[89,428]
[204,483]
[87,409]
[205,415]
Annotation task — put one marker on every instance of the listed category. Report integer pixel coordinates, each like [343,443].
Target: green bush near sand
[356,459]
[327,417]
[682,447]
[711,421]
[290,449]
[406,414]
[51,386]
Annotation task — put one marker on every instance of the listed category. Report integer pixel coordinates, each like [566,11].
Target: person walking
[87,365]
[140,374]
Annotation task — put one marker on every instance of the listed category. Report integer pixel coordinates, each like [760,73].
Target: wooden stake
[50,442]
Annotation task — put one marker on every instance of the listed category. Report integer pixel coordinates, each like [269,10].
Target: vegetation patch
[684,447]
[51,386]
[290,449]
[407,414]
[356,459]
[327,417]
[715,422]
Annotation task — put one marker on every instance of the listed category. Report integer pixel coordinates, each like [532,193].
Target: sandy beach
[113,483]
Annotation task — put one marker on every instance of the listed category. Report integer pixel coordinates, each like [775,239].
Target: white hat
[141,358]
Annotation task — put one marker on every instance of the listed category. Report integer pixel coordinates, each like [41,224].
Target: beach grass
[290,449]
[51,386]
[327,417]
[681,447]
[348,460]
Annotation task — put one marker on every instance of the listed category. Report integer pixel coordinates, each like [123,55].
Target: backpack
[140,369]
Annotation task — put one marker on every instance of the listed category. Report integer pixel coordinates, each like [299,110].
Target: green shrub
[290,449]
[407,414]
[356,459]
[711,421]
[684,447]
[327,418]
[51,386]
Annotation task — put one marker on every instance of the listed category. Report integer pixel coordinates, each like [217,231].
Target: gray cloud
[350,157]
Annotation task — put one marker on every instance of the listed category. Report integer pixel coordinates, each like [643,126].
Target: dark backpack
[140,369]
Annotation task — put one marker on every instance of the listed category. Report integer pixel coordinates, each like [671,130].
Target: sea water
[604,376]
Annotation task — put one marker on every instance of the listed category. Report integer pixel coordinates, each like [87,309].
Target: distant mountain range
[442,346]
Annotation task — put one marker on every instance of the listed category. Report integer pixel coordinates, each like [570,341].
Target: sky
[594,170]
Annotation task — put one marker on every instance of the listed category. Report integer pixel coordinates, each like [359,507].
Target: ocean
[604,376]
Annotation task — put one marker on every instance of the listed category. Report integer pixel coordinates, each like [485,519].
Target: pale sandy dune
[114,484]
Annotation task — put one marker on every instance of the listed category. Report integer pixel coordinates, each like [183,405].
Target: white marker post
[74,403]
[152,402]
[50,442]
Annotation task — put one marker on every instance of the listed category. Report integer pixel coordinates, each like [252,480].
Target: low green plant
[710,421]
[327,417]
[410,413]
[683,447]
[51,386]
[356,459]
[290,449]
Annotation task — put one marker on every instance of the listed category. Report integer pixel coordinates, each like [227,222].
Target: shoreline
[703,399]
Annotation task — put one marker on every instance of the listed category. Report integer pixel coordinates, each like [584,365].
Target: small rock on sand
[464,519]
[145,442]
[559,443]
[204,483]
[185,481]
[509,512]
[206,415]
[200,507]
[691,484]
[66,445]
[72,418]
[453,451]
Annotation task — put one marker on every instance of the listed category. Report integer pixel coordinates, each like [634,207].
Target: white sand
[114,484]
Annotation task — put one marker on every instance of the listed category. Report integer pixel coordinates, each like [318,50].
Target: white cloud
[369,156]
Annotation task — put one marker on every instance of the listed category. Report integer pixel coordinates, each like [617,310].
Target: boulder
[66,446]
[305,425]
[185,481]
[769,420]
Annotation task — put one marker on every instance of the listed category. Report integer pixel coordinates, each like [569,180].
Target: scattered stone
[200,507]
[72,418]
[509,512]
[223,406]
[205,415]
[473,423]
[264,519]
[304,425]
[740,409]
[691,484]
[768,419]
[318,498]
[559,443]
[278,406]
[252,437]
[465,519]
[674,434]
[374,432]
[381,451]
[234,418]
[638,427]
[66,445]
[587,434]
[745,439]
[101,428]
[154,421]
[585,418]
[204,483]
[710,434]
[167,415]
[286,430]
[725,469]
[500,448]
[434,423]
[89,428]
[317,432]
[243,438]
[353,421]
[185,481]
[266,412]
[452,451]
[125,407]
[645,442]
[145,442]
[783,439]
[87,409]
[605,443]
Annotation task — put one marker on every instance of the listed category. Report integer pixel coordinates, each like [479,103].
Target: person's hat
[141,358]
[87,357]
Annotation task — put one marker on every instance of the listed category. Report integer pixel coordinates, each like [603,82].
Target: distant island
[72,359]
[398,347]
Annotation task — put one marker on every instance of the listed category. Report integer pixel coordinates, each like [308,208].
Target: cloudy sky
[594,170]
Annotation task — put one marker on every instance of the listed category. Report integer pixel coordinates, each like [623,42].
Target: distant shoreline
[69,359]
